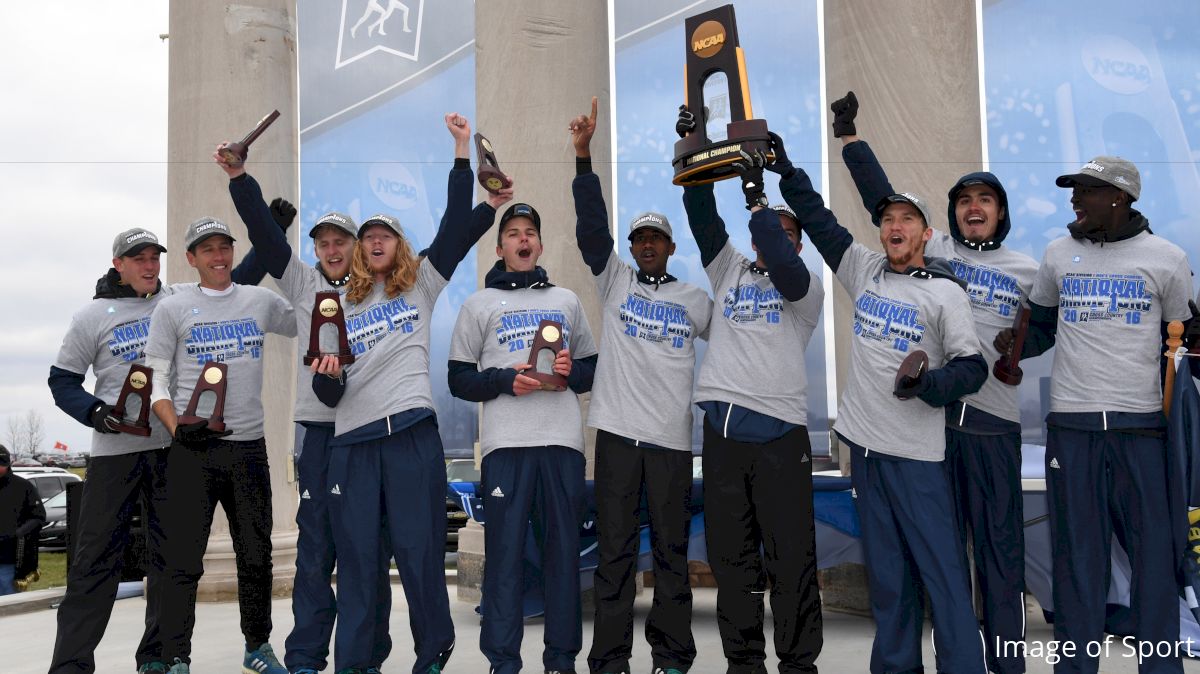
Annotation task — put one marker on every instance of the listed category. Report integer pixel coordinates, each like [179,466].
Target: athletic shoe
[153,668]
[262,661]
[306,670]
[669,670]
[180,667]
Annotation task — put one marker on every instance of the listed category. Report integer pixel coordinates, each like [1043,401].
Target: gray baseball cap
[334,219]
[381,219]
[655,221]
[1104,170]
[782,209]
[905,198]
[204,228]
[132,241]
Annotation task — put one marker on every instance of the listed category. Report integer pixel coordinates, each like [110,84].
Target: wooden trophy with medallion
[138,382]
[1007,368]
[716,90]
[547,342]
[327,310]
[911,369]
[213,378]
[235,153]
[490,176]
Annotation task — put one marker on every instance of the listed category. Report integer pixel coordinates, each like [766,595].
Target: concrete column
[915,69]
[537,64]
[230,64]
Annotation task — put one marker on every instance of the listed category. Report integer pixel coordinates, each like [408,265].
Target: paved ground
[28,640]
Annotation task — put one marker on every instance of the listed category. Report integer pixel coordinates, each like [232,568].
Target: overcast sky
[83,143]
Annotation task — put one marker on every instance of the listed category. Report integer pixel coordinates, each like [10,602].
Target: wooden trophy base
[910,368]
[698,161]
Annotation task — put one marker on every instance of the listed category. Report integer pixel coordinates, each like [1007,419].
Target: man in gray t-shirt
[108,335]
[531,439]
[983,430]
[752,388]
[223,322]
[641,408]
[905,302]
[1103,296]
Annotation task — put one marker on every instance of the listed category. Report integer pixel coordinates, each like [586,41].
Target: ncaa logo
[393,184]
[1116,64]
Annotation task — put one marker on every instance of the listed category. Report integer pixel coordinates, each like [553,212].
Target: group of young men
[934,455]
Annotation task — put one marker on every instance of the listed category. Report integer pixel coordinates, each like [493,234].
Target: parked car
[26,462]
[54,533]
[49,481]
[461,478]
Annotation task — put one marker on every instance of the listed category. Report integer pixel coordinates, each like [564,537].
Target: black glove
[686,122]
[102,418]
[283,212]
[782,165]
[196,433]
[844,112]
[750,168]
[911,387]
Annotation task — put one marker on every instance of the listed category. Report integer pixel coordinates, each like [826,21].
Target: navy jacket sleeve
[583,371]
[469,383]
[1043,327]
[328,389]
[707,226]
[959,377]
[788,273]
[591,219]
[70,396]
[868,175]
[265,235]
[460,227]
[250,271]
[831,239]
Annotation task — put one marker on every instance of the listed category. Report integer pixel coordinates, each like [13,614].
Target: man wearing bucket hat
[109,335]
[220,321]
[757,451]
[904,301]
[1103,296]
[983,430]
[641,408]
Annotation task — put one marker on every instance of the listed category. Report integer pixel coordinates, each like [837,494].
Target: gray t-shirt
[756,341]
[300,284]
[643,384]
[191,328]
[894,315]
[997,282]
[495,328]
[1111,300]
[390,342]
[109,335]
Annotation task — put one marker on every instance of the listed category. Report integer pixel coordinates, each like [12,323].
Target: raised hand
[750,168]
[686,122]
[230,170]
[844,110]
[582,128]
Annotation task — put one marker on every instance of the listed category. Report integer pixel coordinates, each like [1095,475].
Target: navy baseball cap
[522,211]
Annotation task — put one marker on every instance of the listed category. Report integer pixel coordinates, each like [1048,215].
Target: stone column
[230,64]
[915,69]
[537,64]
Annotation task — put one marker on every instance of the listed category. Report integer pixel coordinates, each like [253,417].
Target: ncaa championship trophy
[138,383]
[549,338]
[717,92]
[235,153]
[327,310]
[490,176]
[212,378]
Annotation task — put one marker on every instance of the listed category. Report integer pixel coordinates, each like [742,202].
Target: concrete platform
[29,639]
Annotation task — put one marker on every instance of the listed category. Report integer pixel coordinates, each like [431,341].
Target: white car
[49,481]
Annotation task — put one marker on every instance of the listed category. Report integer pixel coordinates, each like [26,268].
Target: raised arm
[461,227]
[869,176]
[591,213]
[708,229]
[266,235]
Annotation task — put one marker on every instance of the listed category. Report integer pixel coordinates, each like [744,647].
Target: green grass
[53,568]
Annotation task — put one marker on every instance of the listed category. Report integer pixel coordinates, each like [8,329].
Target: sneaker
[262,661]
[668,670]
[180,667]
[153,668]
[308,670]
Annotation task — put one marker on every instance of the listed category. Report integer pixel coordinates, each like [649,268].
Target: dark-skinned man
[757,456]
[1103,296]
[641,408]
[983,430]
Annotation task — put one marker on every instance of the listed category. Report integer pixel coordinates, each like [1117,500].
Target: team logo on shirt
[222,341]
[129,339]
[1104,297]
[988,288]
[367,328]
[517,327]
[749,303]
[656,321]
[882,319]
